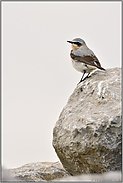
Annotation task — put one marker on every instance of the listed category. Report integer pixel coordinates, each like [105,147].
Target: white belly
[79,66]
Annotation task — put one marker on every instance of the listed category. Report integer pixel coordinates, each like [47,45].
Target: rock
[87,135]
[115,176]
[6,176]
[39,172]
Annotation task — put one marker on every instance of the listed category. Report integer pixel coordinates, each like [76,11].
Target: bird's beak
[70,42]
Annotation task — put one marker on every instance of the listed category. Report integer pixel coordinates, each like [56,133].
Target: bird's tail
[101,68]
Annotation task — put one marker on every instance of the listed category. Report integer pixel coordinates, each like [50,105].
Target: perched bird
[83,59]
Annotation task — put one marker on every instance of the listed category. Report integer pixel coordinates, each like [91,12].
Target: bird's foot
[80,82]
[84,79]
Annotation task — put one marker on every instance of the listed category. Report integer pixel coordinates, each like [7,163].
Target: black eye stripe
[77,43]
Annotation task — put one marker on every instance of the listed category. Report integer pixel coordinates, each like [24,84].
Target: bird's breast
[79,66]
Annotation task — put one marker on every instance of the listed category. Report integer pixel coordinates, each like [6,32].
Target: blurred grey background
[37,74]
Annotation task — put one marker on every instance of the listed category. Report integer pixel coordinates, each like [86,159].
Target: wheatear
[83,59]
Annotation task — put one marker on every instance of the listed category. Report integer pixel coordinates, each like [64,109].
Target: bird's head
[76,43]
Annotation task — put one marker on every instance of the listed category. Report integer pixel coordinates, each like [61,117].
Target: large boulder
[39,172]
[87,135]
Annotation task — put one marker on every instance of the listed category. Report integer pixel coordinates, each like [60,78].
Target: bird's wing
[87,59]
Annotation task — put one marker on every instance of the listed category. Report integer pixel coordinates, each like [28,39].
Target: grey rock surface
[39,172]
[113,176]
[87,135]
[6,175]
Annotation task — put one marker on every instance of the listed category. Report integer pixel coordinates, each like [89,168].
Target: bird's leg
[82,77]
[86,77]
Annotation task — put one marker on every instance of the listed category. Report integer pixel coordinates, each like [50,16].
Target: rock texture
[87,135]
[39,172]
[106,177]
[109,176]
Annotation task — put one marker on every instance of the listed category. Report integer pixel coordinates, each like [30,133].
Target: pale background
[37,74]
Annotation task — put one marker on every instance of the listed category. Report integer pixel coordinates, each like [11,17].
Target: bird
[83,59]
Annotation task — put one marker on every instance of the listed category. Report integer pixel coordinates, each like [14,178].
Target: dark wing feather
[88,59]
